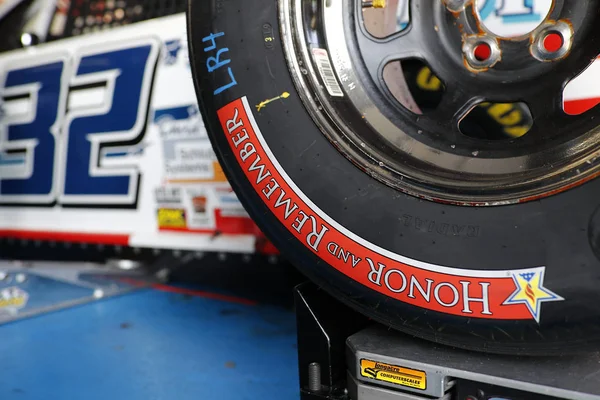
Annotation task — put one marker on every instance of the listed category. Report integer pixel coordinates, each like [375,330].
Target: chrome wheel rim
[418,154]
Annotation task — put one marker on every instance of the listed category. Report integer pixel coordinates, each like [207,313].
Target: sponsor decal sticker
[171,218]
[393,374]
[168,195]
[200,208]
[187,152]
[508,294]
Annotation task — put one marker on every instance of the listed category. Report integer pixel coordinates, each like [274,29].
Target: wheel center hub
[483,48]
[513,18]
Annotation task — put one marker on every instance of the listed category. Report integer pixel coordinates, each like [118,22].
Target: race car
[117,155]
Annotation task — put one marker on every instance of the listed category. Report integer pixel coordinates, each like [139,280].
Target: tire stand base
[33,288]
[344,356]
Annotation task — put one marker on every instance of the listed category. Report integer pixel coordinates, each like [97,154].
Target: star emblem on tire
[531,292]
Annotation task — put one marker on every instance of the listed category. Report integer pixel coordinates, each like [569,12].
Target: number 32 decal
[66,112]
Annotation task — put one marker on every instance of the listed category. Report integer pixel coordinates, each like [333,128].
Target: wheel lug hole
[553,42]
[482,52]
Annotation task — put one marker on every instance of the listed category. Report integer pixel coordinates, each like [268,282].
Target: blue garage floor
[152,345]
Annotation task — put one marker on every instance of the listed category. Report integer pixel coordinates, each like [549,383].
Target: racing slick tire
[518,277]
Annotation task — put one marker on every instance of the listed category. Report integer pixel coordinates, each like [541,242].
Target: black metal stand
[344,356]
[324,324]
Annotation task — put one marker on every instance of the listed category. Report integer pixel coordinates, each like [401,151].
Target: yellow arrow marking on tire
[263,104]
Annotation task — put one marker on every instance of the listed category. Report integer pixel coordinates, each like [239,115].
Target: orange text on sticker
[393,374]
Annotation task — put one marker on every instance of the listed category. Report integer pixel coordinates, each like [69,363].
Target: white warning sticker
[321,58]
